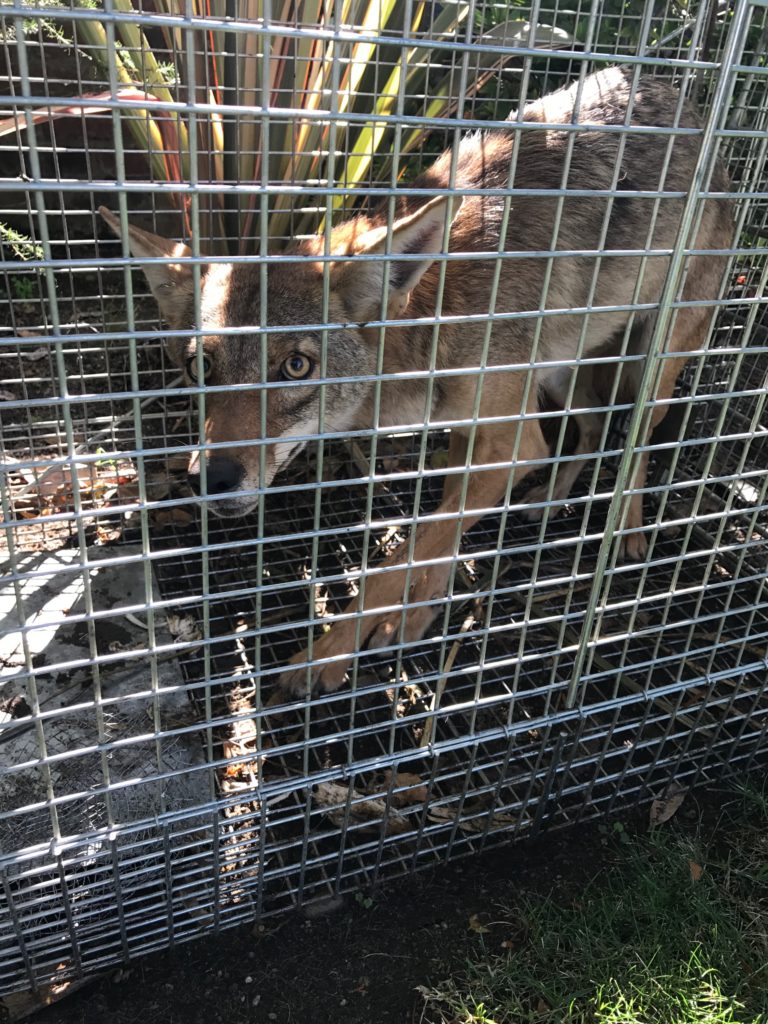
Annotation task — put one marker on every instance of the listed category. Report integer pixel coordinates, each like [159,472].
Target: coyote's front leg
[434,548]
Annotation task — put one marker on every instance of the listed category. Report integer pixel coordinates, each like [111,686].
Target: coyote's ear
[171,282]
[359,282]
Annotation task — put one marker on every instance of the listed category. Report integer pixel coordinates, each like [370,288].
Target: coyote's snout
[230,298]
[625,198]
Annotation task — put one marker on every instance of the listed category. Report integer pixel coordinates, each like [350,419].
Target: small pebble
[248,979]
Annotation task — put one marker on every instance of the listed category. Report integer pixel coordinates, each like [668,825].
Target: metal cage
[154,783]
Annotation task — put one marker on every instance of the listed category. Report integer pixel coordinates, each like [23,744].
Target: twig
[429,726]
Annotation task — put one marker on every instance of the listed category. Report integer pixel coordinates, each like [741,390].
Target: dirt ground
[361,961]
[357,962]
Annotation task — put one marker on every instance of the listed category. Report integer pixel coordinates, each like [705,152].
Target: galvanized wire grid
[148,794]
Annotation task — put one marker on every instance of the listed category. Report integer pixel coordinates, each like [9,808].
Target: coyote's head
[261,355]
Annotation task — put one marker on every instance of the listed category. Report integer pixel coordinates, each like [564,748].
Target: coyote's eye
[296,367]
[192,368]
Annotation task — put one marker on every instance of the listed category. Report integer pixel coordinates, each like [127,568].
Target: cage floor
[487,728]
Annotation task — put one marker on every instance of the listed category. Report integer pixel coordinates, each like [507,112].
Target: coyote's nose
[222,474]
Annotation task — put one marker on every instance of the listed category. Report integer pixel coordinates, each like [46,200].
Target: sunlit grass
[675,932]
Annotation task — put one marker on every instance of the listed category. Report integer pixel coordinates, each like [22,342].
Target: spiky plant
[292,94]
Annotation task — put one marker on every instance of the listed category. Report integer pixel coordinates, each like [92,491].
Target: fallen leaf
[441,814]
[35,354]
[129,493]
[337,798]
[158,486]
[107,535]
[475,824]
[6,396]
[177,463]
[57,482]
[667,805]
[118,647]
[172,517]
[696,870]
[415,793]
[183,628]
[498,821]
[53,486]
[476,925]
[13,707]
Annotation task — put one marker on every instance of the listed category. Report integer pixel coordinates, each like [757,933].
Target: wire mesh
[158,780]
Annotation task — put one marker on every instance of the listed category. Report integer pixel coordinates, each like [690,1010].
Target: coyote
[600,162]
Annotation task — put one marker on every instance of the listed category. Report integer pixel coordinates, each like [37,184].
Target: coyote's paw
[536,495]
[346,639]
[633,548]
[299,681]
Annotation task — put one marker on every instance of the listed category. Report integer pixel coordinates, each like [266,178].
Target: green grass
[675,931]
[20,246]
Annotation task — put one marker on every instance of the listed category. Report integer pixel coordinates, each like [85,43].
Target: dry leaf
[158,486]
[107,535]
[441,814]
[57,482]
[53,487]
[6,396]
[475,824]
[668,804]
[334,797]
[498,821]
[172,517]
[416,793]
[476,925]
[177,462]
[183,628]
[696,870]
[119,647]
[116,474]
[14,706]
[33,355]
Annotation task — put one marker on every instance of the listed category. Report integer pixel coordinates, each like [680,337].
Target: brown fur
[230,298]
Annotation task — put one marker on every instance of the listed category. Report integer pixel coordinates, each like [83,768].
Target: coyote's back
[594,215]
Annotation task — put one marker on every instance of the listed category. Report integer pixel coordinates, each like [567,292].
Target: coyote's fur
[600,161]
